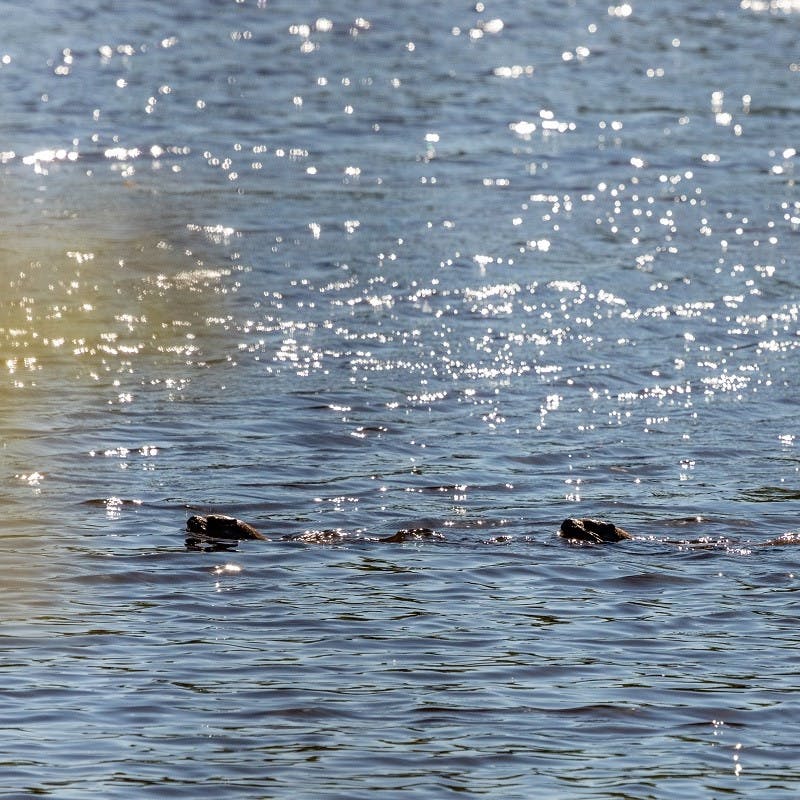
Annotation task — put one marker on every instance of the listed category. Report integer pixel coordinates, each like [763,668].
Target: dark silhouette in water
[595,531]
[218,532]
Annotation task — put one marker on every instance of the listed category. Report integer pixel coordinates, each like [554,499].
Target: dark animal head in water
[595,531]
[219,526]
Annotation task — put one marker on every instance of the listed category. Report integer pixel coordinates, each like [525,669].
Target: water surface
[363,268]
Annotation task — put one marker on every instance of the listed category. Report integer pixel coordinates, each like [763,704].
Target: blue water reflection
[340,271]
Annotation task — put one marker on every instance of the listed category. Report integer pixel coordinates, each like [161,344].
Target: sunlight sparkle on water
[341,275]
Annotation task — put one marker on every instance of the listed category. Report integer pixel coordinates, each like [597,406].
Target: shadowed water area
[343,270]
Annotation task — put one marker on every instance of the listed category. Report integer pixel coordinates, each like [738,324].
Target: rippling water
[356,268]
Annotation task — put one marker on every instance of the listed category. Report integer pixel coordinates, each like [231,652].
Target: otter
[596,531]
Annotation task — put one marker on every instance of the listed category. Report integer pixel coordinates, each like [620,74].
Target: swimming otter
[594,531]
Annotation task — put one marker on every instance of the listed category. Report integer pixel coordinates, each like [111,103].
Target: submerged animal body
[593,531]
[411,535]
[786,538]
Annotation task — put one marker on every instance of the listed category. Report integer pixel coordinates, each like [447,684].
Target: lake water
[360,267]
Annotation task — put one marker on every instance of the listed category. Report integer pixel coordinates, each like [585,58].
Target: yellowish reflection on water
[105,291]
[95,281]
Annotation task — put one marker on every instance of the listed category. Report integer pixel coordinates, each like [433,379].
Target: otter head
[595,531]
